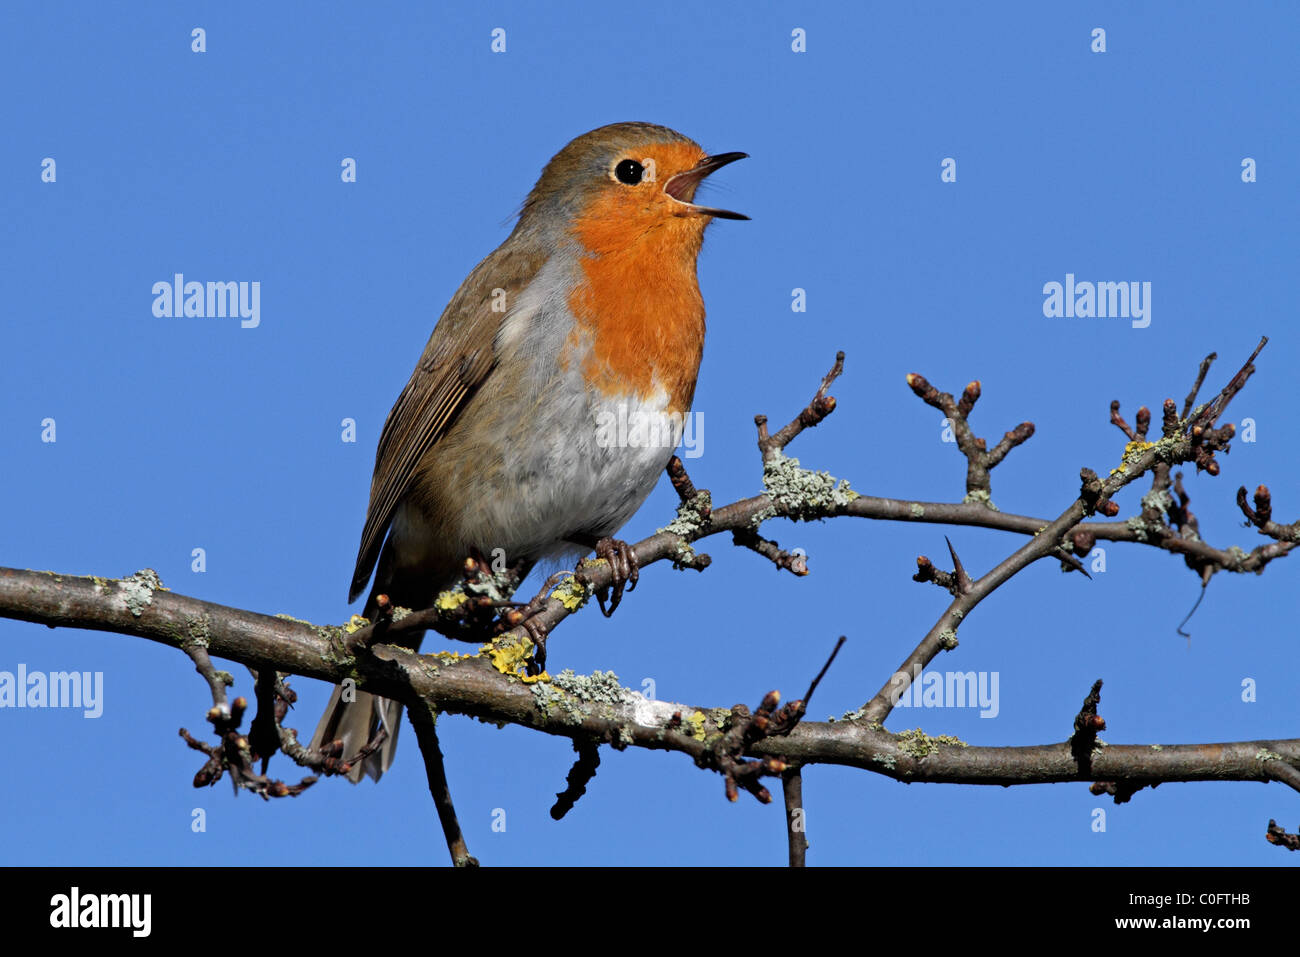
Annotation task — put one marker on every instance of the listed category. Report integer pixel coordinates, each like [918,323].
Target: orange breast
[640,303]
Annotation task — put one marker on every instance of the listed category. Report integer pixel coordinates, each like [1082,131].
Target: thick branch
[593,707]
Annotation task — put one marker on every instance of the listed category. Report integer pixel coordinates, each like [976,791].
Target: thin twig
[423,718]
[1190,401]
[821,406]
[795,819]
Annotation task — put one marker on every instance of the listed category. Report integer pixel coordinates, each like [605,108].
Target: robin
[589,310]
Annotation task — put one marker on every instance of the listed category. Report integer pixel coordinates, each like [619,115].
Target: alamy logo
[946,689]
[57,689]
[1100,300]
[213,300]
[640,429]
[75,909]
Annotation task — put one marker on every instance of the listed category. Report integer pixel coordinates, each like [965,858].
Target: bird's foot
[624,569]
[537,633]
[526,616]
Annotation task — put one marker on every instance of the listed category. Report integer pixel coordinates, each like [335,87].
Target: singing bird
[590,308]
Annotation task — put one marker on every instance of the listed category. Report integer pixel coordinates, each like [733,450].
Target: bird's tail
[355,722]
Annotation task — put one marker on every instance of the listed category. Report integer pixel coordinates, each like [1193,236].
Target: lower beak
[682,186]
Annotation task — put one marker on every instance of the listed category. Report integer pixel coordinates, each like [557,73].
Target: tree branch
[596,707]
[497,683]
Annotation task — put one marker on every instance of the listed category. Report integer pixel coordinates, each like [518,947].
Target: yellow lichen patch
[450,600]
[355,624]
[1131,452]
[571,593]
[449,657]
[509,657]
[694,725]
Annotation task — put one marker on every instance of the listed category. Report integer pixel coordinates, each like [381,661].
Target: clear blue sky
[174,434]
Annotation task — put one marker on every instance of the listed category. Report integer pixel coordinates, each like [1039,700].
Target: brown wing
[458,356]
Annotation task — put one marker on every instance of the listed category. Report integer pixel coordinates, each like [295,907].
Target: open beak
[682,186]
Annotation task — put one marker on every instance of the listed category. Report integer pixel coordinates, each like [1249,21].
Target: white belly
[596,462]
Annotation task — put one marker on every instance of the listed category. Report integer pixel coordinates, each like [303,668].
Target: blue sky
[175,434]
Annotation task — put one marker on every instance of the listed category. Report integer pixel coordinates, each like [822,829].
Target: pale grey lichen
[918,744]
[801,494]
[692,515]
[980,496]
[196,632]
[683,556]
[1160,500]
[137,591]
[599,686]
[551,701]
[567,692]
[492,584]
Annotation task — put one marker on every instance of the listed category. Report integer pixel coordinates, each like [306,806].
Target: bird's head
[611,187]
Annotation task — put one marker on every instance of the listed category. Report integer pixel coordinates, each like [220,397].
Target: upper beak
[682,186]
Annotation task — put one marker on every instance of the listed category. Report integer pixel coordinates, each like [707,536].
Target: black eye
[629,172]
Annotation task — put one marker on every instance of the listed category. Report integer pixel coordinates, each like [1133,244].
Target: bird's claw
[537,633]
[624,568]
